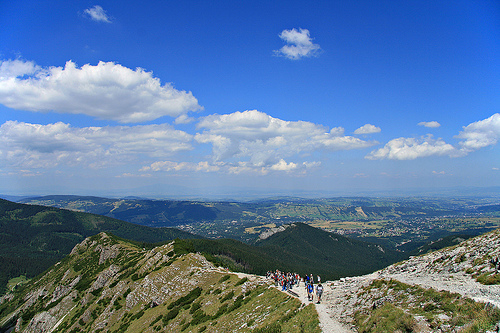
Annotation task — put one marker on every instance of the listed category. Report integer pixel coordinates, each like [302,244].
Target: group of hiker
[287,280]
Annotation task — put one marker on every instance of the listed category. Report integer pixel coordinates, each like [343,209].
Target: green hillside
[32,238]
[301,249]
[311,250]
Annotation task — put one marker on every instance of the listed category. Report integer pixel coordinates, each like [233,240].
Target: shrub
[387,318]
[188,299]
[488,279]
[224,278]
[240,282]
[195,307]
[228,296]
[273,328]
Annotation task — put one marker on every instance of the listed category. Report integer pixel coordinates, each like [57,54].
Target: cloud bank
[260,140]
[25,145]
[480,134]
[412,148]
[241,142]
[299,45]
[475,136]
[105,91]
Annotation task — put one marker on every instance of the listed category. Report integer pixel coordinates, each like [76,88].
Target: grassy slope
[187,293]
[32,238]
[390,306]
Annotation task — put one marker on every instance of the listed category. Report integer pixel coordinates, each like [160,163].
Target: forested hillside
[301,249]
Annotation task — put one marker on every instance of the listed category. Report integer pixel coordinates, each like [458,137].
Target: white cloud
[299,44]
[360,175]
[24,145]
[282,165]
[480,134]
[429,124]
[265,140]
[242,167]
[169,166]
[411,148]
[106,91]
[367,129]
[97,13]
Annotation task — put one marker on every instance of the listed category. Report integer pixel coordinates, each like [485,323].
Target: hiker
[310,291]
[319,292]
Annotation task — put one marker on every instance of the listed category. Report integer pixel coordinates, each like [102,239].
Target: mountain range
[35,237]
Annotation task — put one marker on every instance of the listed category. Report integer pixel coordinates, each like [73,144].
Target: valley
[400,223]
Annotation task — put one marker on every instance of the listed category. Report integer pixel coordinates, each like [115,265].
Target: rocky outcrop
[42,322]
[272,231]
[104,277]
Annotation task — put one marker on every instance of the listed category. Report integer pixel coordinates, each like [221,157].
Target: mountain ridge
[107,284]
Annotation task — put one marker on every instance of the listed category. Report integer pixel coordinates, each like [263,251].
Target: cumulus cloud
[411,148]
[98,14]
[282,165]
[299,44]
[367,129]
[480,134]
[266,141]
[105,91]
[25,145]
[430,124]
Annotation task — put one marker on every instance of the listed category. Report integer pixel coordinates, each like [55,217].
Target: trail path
[337,308]
[327,323]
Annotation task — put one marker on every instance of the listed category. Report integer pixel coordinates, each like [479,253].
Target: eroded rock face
[107,252]
[104,277]
[272,231]
[42,322]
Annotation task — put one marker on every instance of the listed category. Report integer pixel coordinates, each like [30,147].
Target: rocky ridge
[107,284]
[431,288]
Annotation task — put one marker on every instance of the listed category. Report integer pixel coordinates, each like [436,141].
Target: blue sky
[205,97]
